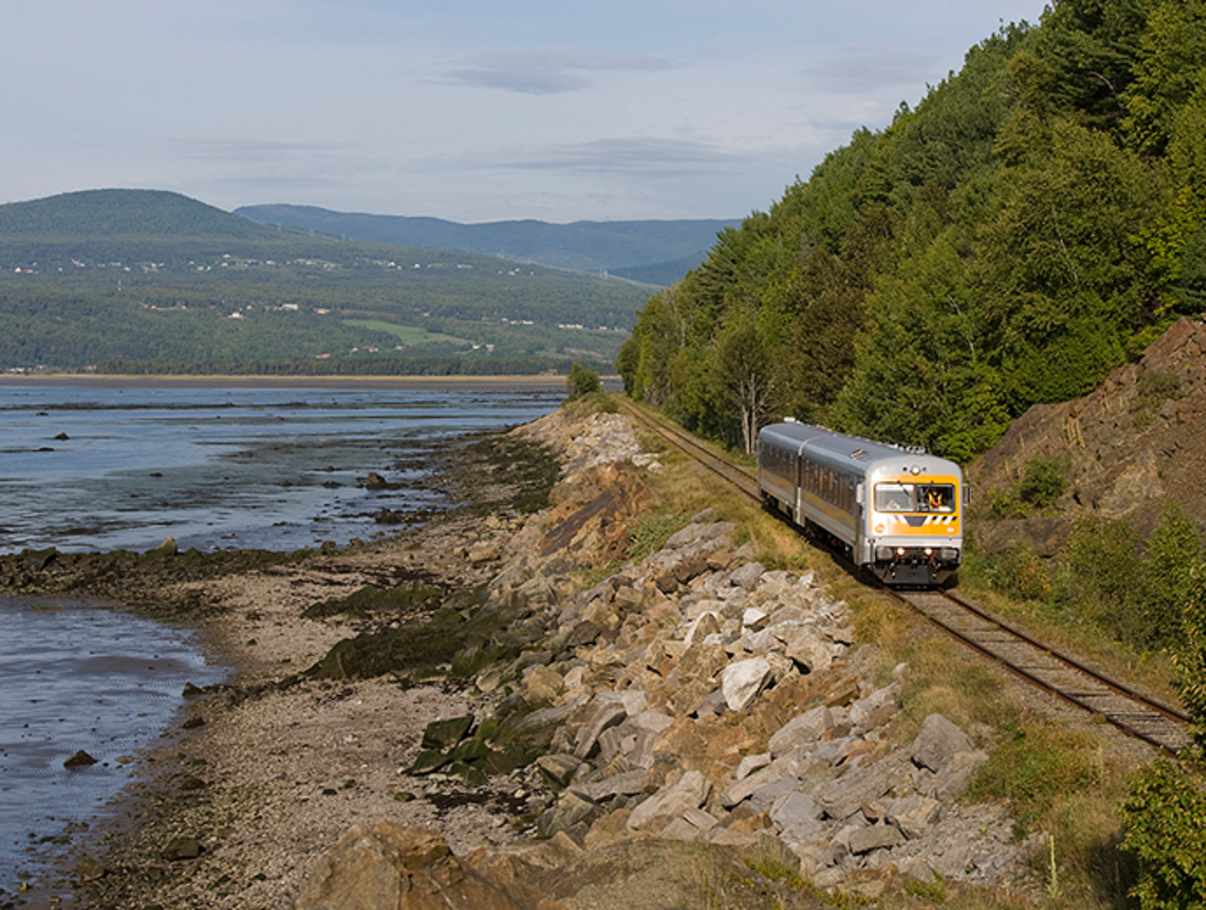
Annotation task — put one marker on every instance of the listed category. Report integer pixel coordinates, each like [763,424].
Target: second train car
[896,512]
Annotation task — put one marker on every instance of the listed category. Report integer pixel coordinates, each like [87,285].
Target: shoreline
[555,697]
[522,380]
[240,641]
[56,849]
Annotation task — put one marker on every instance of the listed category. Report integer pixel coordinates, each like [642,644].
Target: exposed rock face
[1130,443]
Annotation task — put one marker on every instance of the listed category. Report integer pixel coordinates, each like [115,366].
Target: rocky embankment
[505,710]
[691,698]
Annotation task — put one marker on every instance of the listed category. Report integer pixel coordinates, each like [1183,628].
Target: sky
[472,110]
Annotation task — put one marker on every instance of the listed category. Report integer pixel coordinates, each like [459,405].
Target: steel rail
[1148,719]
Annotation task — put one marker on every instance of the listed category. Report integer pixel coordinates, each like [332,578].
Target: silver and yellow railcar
[897,512]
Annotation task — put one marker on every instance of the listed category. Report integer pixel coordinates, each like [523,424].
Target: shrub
[582,381]
[1158,386]
[1172,555]
[1043,481]
[1164,826]
[1155,387]
[1006,504]
[1018,572]
[1189,658]
[1097,578]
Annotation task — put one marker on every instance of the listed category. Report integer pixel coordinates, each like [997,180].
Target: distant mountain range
[144,280]
[659,252]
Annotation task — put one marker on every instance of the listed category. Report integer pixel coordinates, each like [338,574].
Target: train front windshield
[908,497]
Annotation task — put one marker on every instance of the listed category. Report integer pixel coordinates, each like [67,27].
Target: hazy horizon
[558,112]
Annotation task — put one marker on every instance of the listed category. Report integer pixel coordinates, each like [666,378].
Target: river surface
[86,467]
[101,466]
[77,677]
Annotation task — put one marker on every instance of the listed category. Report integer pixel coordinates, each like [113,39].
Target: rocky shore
[532,702]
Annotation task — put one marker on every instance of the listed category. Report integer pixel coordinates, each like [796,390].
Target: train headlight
[900,551]
[950,554]
[929,551]
[883,553]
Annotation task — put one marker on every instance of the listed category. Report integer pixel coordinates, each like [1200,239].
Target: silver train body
[895,512]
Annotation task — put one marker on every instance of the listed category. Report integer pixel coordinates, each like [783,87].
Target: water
[213,466]
[221,466]
[77,677]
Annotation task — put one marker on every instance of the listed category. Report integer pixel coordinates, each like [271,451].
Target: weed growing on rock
[1042,483]
[1155,388]
[651,533]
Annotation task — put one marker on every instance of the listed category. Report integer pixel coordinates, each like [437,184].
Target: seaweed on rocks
[418,592]
[529,468]
[476,750]
[464,634]
[137,579]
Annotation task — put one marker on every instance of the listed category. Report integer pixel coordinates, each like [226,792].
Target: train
[894,511]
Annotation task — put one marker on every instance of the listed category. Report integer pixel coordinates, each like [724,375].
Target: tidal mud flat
[514,706]
[245,607]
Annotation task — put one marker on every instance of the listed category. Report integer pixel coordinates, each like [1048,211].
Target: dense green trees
[78,287]
[1037,219]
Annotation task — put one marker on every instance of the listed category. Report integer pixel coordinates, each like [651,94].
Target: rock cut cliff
[1130,447]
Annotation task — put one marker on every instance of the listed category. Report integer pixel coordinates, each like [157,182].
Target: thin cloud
[255,150]
[545,72]
[633,157]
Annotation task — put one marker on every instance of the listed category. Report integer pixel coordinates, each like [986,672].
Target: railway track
[1064,676]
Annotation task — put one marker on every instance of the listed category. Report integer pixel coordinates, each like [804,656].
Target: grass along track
[1059,673]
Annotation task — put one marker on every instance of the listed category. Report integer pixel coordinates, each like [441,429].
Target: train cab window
[936,497]
[894,497]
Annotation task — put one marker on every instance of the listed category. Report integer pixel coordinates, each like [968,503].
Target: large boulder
[748,575]
[938,743]
[605,715]
[742,680]
[672,801]
[797,816]
[387,867]
[805,729]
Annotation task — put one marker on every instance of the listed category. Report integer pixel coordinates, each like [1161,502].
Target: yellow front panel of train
[916,506]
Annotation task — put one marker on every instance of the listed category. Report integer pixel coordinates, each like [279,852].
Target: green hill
[139,280]
[122,213]
[1035,221]
[582,245]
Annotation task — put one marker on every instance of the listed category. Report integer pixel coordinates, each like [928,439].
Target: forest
[145,281]
[1036,220]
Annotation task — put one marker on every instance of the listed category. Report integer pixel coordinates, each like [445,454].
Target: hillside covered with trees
[657,252]
[142,280]
[1036,220]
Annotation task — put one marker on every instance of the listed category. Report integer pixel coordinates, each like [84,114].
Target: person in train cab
[936,501]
